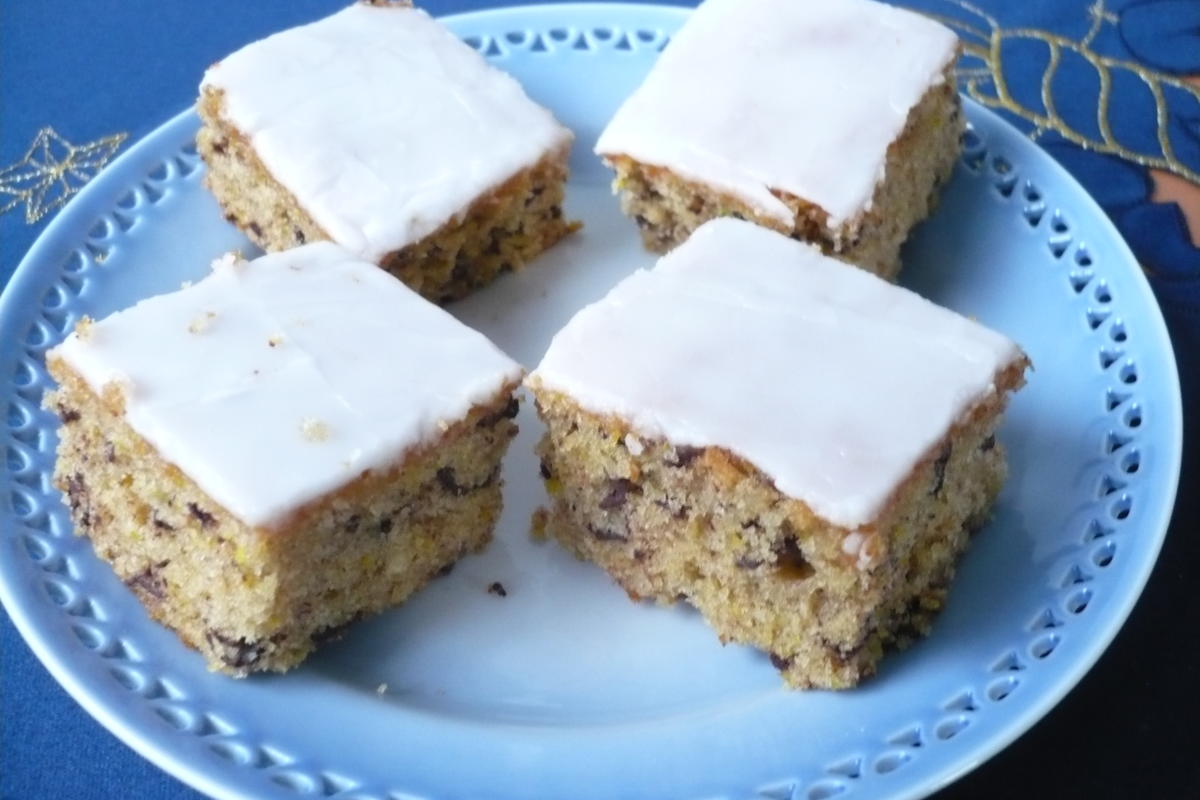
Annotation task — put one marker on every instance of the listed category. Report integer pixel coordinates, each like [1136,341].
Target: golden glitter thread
[52,171]
[982,76]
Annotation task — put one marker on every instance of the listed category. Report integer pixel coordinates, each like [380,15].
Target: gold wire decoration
[982,75]
[53,170]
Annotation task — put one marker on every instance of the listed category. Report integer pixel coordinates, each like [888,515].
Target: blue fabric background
[90,70]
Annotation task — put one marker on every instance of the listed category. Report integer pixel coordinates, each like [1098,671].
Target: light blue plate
[565,688]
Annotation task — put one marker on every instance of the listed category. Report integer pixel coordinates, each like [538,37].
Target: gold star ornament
[52,171]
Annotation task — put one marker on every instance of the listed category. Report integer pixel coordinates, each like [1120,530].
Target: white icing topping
[831,381]
[312,367]
[797,95]
[381,123]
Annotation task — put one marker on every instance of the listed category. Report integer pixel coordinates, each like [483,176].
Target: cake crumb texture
[667,208]
[501,231]
[255,599]
[700,525]
[379,129]
[796,447]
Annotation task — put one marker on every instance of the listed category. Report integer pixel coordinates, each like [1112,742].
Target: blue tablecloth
[83,81]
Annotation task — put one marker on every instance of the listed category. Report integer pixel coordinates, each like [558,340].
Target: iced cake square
[378,129]
[832,122]
[796,447]
[286,446]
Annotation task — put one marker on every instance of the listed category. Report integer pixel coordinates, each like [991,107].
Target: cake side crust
[668,207]
[672,522]
[500,231]
[253,599]
[248,194]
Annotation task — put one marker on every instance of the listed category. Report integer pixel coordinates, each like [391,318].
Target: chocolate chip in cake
[497,588]
[680,512]
[988,443]
[254,228]
[462,268]
[385,525]
[76,490]
[749,562]
[444,571]
[685,455]
[333,632]
[218,145]
[606,534]
[299,235]
[544,468]
[618,490]
[207,520]
[779,662]
[150,581]
[939,470]
[352,522]
[79,499]
[110,452]
[236,652]
[448,480]
[510,410]
[160,524]
[67,414]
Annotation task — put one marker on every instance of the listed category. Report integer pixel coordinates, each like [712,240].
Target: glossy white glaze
[831,381]
[381,123]
[272,382]
[802,96]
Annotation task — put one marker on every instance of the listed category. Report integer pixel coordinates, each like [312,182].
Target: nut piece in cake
[378,129]
[280,449]
[794,446]
[832,122]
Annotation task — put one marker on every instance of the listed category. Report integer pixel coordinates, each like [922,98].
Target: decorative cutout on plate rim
[568,38]
[42,529]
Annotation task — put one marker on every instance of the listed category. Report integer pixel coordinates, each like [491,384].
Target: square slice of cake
[284,447]
[796,447]
[378,129]
[832,122]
